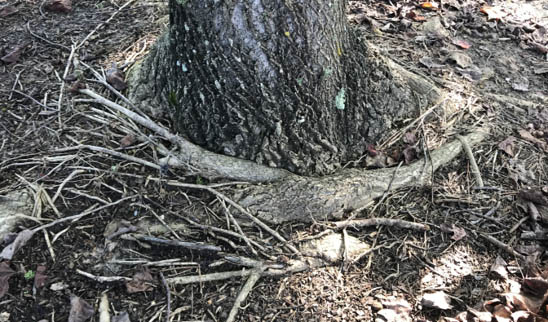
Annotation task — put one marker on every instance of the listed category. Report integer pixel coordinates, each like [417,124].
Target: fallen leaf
[480,316]
[395,310]
[13,55]
[409,154]
[5,273]
[458,233]
[141,282]
[438,300]
[409,138]
[507,145]
[122,317]
[371,150]
[472,74]
[461,59]
[378,161]
[22,238]
[40,277]
[59,5]
[535,196]
[7,10]
[415,17]
[502,312]
[493,13]
[461,43]
[535,286]
[80,310]
[521,84]
[429,62]
[127,140]
[429,5]
[115,77]
[529,137]
[499,268]
[59,286]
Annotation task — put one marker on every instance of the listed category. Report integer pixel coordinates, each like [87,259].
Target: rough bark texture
[282,83]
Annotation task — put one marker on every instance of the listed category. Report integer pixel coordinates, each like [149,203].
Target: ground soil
[35,122]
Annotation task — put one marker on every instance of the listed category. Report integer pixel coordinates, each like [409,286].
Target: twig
[168,297]
[503,246]
[83,214]
[244,292]
[400,133]
[44,39]
[103,279]
[30,98]
[239,228]
[67,179]
[254,219]
[189,245]
[111,152]
[473,164]
[15,83]
[103,23]
[238,207]
[104,315]
[67,68]
[381,221]
[268,270]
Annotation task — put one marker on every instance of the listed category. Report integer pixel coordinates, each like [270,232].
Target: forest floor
[495,59]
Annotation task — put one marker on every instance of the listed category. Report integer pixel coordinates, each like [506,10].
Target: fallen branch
[104,279]
[503,246]
[473,164]
[244,292]
[380,221]
[177,243]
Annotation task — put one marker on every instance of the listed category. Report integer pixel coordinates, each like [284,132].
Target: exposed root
[295,198]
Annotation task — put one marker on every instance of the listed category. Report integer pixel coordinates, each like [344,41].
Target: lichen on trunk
[283,83]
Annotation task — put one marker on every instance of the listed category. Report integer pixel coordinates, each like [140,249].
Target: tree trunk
[285,83]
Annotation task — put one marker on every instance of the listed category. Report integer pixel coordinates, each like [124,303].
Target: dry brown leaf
[508,145]
[438,300]
[5,273]
[493,13]
[115,77]
[40,278]
[7,10]
[499,267]
[535,286]
[461,43]
[13,55]
[122,317]
[22,238]
[529,137]
[59,5]
[429,5]
[458,233]
[80,310]
[127,140]
[141,282]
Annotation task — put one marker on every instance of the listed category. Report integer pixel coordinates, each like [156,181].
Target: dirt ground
[494,60]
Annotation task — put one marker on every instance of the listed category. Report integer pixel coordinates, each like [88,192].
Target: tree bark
[283,83]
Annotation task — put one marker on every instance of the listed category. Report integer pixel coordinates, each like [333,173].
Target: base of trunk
[386,95]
